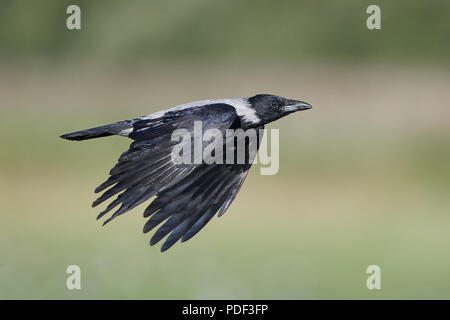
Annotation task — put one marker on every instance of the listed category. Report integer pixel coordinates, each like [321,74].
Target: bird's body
[188,195]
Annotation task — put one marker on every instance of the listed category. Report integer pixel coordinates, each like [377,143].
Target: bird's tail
[118,128]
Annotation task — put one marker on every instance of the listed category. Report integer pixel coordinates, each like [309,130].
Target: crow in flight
[187,195]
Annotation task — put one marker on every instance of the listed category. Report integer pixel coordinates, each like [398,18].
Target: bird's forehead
[264,98]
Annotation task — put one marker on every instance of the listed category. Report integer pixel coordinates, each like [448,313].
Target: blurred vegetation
[278,31]
[364,176]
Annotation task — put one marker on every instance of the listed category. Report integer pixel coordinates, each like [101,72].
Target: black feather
[97,132]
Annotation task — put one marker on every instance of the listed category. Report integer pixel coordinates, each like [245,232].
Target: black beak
[296,106]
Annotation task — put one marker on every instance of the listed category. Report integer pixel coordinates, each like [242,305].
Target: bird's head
[270,107]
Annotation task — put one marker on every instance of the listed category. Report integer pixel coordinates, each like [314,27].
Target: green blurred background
[364,176]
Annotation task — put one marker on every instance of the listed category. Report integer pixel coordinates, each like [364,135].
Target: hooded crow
[187,195]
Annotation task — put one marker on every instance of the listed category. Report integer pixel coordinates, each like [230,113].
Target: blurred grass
[361,182]
[364,176]
[137,31]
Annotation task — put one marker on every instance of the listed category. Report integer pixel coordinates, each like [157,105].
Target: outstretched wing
[147,166]
[188,195]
